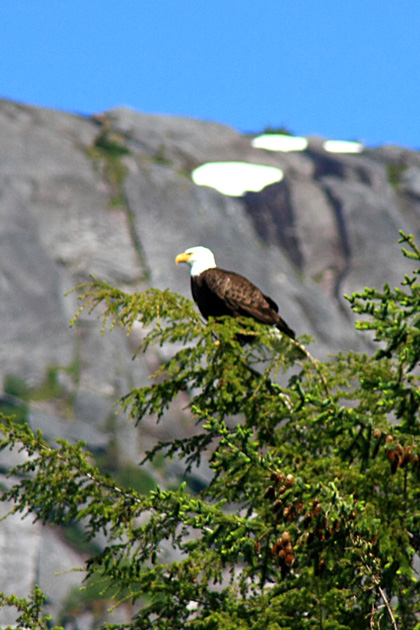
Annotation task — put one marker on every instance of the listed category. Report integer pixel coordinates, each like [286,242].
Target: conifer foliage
[311,516]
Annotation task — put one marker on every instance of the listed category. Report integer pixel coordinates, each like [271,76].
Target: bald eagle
[219,292]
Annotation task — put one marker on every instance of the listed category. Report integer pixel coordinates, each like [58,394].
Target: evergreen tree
[311,517]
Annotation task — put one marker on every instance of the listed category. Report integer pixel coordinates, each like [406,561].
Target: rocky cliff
[112,195]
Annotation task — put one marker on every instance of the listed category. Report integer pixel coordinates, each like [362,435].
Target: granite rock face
[112,196]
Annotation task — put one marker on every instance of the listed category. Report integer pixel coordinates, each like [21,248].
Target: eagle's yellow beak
[182,258]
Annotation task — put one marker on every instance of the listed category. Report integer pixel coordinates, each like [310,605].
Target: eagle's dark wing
[242,298]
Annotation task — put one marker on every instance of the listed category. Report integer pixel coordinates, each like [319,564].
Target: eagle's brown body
[219,292]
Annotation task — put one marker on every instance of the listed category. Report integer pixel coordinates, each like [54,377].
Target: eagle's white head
[198,258]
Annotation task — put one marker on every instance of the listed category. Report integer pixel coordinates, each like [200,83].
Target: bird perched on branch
[219,292]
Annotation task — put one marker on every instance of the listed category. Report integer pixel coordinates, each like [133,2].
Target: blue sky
[343,69]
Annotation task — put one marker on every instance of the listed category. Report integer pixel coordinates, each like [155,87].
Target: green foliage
[160,156]
[111,143]
[282,130]
[92,597]
[50,388]
[311,517]
[14,400]
[107,153]
[74,536]
[29,610]
[394,172]
[16,387]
